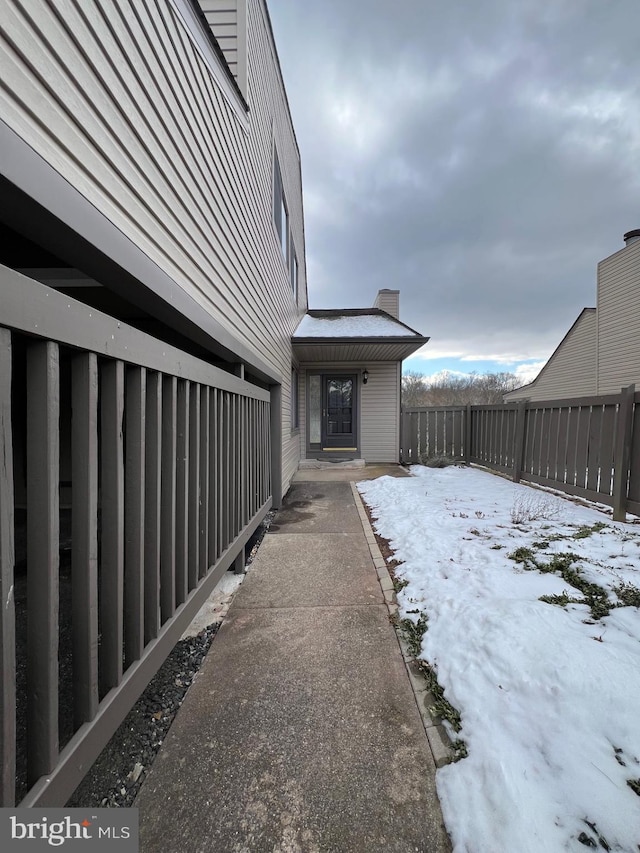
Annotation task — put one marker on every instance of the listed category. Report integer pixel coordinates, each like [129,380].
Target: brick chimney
[389,301]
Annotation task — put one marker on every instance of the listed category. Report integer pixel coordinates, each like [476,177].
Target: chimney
[632,236]
[389,301]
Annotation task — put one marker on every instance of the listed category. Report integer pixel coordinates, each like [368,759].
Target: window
[280,215]
[283,227]
[295,415]
[293,272]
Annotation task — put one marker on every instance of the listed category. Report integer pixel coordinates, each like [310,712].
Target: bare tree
[414,389]
[449,389]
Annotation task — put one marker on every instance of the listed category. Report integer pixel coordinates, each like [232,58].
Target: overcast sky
[481,157]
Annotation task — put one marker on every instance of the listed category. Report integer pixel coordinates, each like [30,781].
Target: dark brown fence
[588,446]
[132,475]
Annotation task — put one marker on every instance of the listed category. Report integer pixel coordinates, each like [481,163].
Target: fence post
[7,561]
[467,434]
[622,452]
[276,446]
[518,441]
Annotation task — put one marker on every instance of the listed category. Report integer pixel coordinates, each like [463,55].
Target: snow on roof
[352,326]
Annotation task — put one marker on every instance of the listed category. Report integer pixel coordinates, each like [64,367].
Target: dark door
[339,413]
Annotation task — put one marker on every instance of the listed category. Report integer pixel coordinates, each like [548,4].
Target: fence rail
[132,475]
[587,446]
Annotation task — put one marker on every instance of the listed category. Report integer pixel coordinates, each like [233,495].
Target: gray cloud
[482,157]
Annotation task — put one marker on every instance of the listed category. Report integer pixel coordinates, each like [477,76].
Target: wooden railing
[587,446]
[135,474]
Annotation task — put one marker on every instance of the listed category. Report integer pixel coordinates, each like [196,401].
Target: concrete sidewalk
[301,733]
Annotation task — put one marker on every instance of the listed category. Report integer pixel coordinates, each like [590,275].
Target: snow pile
[351,326]
[548,691]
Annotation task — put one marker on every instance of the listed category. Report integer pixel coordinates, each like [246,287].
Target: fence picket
[7,561]
[43,458]
[571,445]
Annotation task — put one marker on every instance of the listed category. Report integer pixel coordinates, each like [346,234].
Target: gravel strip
[116,777]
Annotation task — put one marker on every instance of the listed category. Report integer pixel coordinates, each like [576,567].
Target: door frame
[319,450]
[348,445]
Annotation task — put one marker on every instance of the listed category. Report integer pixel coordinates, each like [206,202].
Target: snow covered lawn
[548,690]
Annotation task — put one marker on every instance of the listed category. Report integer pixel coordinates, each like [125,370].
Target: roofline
[321,313]
[548,361]
[365,339]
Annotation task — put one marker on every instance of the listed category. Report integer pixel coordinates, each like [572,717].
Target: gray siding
[389,301]
[618,334]
[380,413]
[124,102]
[228,22]
[570,372]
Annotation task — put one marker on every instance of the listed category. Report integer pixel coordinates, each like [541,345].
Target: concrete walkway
[301,733]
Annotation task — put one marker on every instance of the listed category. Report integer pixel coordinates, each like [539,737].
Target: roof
[516,393]
[352,323]
[354,334]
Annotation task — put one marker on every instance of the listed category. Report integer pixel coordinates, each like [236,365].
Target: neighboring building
[600,354]
[349,378]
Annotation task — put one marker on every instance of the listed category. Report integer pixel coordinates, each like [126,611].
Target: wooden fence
[132,475]
[587,446]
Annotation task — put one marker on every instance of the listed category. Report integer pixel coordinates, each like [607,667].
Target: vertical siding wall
[120,100]
[618,335]
[380,412]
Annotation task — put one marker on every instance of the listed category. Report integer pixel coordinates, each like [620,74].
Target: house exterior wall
[378,405]
[228,21]
[618,329]
[380,413]
[126,103]
[570,372]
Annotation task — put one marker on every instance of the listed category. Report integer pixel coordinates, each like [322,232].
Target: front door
[339,413]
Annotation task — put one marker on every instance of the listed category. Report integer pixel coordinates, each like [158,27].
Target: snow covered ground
[548,691]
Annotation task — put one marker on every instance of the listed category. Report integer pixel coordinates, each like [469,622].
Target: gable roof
[564,374]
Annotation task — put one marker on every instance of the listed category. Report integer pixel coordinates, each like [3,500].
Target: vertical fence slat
[593,461]
[182,490]
[193,509]
[609,418]
[214,475]
[43,457]
[152,503]
[624,435]
[168,509]
[7,559]
[634,462]
[134,514]
[224,504]
[203,507]
[112,547]
[84,535]
[582,445]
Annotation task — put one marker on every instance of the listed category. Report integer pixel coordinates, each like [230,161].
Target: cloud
[482,158]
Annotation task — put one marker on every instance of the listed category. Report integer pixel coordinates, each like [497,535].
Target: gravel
[117,775]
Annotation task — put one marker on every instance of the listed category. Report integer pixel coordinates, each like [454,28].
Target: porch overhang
[356,349]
